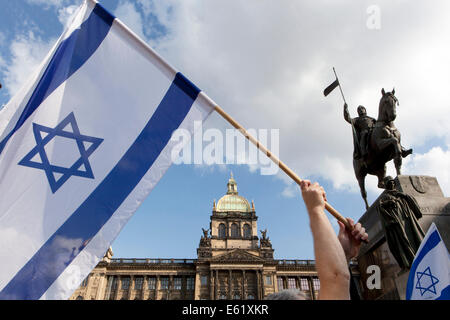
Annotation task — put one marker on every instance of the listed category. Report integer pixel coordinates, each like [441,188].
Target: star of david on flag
[68,128]
[426,282]
[429,276]
[82,144]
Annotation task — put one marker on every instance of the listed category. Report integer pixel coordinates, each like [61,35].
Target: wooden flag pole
[351,122]
[278,162]
[340,88]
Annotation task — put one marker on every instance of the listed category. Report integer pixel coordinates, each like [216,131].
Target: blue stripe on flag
[50,261]
[445,294]
[432,242]
[70,55]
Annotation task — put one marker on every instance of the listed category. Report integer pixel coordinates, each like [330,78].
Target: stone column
[211,285]
[244,295]
[130,287]
[258,284]
[144,287]
[230,285]
[170,288]
[275,284]
[262,285]
[197,286]
[240,230]
[183,287]
[217,282]
[311,288]
[89,282]
[157,288]
[116,295]
[101,287]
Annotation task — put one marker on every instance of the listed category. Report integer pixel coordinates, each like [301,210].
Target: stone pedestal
[435,207]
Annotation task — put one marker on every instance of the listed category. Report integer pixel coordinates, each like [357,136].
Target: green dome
[232,201]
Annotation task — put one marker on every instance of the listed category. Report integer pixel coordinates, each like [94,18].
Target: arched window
[80,298]
[247,231]
[234,230]
[222,231]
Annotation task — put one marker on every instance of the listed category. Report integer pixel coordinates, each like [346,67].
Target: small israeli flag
[429,277]
[81,146]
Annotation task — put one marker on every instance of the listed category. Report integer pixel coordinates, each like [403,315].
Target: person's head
[389,182]
[362,111]
[287,294]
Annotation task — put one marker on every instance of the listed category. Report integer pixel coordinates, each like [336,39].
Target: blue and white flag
[429,277]
[81,146]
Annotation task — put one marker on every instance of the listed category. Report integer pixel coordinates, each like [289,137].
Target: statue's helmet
[361,111]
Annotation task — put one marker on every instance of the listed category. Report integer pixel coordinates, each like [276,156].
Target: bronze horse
[384,145]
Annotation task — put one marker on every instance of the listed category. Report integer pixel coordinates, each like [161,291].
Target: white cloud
[434,161]
[27,52]
[66,14]
[267,64]
[47,3]
[131,17]
[291,191]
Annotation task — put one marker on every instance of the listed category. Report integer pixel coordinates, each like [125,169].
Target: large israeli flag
[429,277]
[81,146]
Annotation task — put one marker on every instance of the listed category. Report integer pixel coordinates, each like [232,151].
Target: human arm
[351,240]
[347,114]
[331,263]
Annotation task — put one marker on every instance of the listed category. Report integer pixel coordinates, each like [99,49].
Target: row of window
[234,231]
[204,281]
[303,285]
[292,283]
[236,296]
[151,283]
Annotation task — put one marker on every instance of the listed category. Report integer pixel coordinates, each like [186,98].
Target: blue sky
[267,64]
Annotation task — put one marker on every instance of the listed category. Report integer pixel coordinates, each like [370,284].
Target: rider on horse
[376,142]
[362,125]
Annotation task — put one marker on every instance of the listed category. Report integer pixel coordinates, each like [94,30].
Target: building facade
[232,263]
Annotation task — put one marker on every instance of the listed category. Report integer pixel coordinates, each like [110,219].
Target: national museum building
[233,263]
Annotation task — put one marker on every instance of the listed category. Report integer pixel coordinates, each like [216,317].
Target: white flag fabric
[81,146]
[429,277]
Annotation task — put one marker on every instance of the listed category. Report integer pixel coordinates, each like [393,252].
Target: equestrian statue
[376,142]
